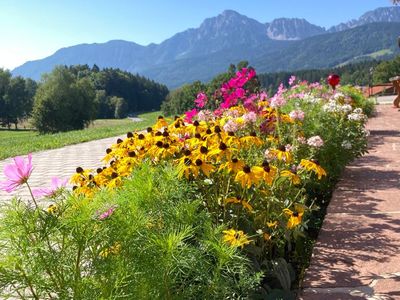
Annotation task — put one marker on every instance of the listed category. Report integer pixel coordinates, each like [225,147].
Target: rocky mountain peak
[292,29]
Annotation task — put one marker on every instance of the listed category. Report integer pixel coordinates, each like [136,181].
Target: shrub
[63,102]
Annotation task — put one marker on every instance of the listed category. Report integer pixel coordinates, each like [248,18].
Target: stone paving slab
[357,255]
[60,162]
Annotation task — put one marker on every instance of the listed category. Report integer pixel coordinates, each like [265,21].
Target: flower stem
[33,197]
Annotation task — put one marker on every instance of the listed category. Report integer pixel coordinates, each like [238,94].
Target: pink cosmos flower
[231,126]
[107,213]
[201,100]
[250,117]
[56,185]
[17,173]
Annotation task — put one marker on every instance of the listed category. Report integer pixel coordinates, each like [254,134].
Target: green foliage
[139,93]
[182,99]
[354,74]
[387,69]
[121,107]
[63,102]
[16,98]
[156,243]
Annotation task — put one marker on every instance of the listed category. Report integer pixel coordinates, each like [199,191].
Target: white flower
[208,181]
[315,141]
[346,145]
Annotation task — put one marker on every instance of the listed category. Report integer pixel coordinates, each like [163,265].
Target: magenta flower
[56,185]
[292,79]
[17,173]
[189,115]
[201,100]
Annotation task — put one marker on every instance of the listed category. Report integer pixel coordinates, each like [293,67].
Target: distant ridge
[200,53]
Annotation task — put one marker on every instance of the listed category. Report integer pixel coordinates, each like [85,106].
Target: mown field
[19,142]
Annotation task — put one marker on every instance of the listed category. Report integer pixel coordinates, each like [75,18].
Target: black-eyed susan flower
[205,167]
[295,217]
[239,200]
[235,238]
[292,176]
[280,154]
[248,176]
[313,166]
[186,167]
[232,166]
[269,172]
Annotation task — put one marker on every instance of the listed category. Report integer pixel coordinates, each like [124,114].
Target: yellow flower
[281,154]
[273,224]
[52,209]
[238,200]
[292,176]
[269,172]
[235,238]
[248,176]
[250,140]
[313,165]
[186,167]
[160,123]
[205,167]
[233,166]
[114,250]
[295,217]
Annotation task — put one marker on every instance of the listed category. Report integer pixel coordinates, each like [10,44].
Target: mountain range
[201,53]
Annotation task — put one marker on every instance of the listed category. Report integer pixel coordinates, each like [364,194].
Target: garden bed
[221,203]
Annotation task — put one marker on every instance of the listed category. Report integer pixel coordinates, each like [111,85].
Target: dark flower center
[166,146]
[246,169]
[79,170]
[203,150]
[149,129]
[187,161]
[235,160]
[315,161]
[197,136]
[165,134]
[282,148]
[231,133]
[158,133]
[129,135]
[160,117]
[99,170]
[196,123]
[132,153]
[141,136]
[217,129]
[223,146]
[108,151]
[187,152]
[159,144]
[253,133]
[199,162]
[208,131]
[295,214]
[114,175]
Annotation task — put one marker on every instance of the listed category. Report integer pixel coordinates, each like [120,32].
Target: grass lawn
[20,142]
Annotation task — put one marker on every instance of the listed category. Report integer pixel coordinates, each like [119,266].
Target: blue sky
[32,30]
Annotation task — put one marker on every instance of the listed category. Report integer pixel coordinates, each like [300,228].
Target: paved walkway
[60,162]
[357,255]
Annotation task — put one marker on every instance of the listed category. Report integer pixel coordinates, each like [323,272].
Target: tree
[63,102]
[120,107]
[16,102]
[385,70]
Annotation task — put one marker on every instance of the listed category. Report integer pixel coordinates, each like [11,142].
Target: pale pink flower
[231,126]
[17,173]
[278,100]
[315,141]
[250,117]
[292,79]
[205,115]
[297,115]
[56,185]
